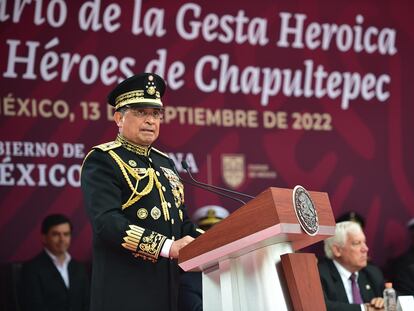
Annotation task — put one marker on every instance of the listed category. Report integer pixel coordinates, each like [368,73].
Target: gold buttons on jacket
[155,213]
[142,213]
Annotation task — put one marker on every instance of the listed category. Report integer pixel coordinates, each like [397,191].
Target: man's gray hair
[342,229]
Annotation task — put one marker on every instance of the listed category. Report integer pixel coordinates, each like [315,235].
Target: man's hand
[179,244]
[376,304]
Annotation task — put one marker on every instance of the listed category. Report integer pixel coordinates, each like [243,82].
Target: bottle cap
[388,285]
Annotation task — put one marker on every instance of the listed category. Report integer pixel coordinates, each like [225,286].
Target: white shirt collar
[343,272]
[56,261]
[345,278]
[61,267]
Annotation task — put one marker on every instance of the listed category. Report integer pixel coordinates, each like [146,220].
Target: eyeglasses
[143,114]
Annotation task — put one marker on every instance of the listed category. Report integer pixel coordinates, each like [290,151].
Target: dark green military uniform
[135,202]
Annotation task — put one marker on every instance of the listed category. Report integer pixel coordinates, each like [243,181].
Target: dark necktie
[356,295]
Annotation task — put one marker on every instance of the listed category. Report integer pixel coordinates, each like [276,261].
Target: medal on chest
[176,186]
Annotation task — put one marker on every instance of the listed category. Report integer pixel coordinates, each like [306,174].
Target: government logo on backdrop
[233,169]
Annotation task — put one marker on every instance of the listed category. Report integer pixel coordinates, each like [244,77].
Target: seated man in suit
[348,281]
[53,280]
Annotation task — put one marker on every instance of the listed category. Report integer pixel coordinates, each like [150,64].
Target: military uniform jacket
[135,202]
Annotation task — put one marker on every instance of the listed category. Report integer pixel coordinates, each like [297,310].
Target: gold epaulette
[108,146]
[160,152]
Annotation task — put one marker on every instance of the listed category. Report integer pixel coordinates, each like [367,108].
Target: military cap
[142,90]
[410,224]
[352,216]
[209,215]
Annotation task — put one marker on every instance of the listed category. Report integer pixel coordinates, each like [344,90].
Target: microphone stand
[213,191]
[186,167]
[202,186]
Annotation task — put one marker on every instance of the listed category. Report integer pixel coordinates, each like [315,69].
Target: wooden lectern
[248,259]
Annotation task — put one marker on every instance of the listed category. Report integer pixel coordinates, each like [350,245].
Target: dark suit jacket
[398,266]
[404,282]
[370,281]
[43,289]
[190,295]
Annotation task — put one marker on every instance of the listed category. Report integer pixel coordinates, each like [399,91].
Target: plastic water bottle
[390,298]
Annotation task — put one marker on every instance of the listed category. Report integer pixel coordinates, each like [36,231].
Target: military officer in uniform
[135,202]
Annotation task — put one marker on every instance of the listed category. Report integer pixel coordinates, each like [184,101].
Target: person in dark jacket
[135,202]
[398,266]
[404,281]
[53,280]
[190,297]
[348,281]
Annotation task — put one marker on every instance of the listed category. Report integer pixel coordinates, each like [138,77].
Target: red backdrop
[315,93]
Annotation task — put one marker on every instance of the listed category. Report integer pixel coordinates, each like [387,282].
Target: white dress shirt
[345,277]
[165,250]
[61,267]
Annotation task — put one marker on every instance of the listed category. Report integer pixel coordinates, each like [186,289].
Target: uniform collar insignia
[141,150]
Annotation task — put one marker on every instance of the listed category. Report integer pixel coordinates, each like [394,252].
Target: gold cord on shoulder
[135,195]
[163,201]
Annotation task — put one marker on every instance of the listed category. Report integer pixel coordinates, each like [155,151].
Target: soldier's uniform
[135,202]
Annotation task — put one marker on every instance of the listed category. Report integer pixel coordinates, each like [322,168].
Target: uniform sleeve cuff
[165,251]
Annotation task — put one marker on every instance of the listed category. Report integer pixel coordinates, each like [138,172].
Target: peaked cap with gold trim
[143,90]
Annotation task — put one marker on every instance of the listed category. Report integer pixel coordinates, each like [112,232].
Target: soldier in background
[352,216]
[190,296]
[135,202]
[207,216]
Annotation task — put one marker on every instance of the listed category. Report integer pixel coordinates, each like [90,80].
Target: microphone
[211,187]
[205,187]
